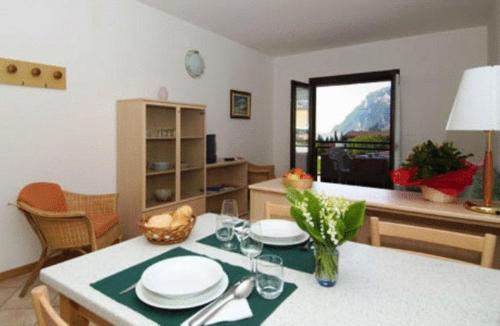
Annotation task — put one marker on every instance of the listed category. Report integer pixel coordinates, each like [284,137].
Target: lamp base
[482,209]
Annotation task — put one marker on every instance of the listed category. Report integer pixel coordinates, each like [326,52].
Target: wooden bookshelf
[233,174]
[155,131]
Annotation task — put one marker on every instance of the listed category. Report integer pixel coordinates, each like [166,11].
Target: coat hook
[12,68]
[36,72]
[57,74]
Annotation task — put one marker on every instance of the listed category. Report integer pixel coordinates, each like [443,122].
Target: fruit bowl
[297,178]
[298,184]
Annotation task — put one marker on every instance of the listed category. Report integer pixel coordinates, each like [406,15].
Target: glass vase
[327,263]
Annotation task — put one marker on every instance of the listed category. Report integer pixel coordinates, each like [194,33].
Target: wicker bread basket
[436,196]
[298,184]
[169,235]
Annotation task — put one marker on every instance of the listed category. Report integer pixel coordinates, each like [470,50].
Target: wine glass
[230,208]
[224,231]
[250,245]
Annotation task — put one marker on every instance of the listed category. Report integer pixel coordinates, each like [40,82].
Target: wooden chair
[66,221]
[277,211]
[45,313]
[482,244]
[259,173]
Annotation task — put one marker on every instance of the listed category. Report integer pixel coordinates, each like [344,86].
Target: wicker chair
[65,221]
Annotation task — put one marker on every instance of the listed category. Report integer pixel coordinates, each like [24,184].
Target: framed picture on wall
[240,104]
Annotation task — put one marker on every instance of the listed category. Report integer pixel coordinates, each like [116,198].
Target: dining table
[375,286]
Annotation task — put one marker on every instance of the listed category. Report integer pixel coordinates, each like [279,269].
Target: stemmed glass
[229,208]
[250,246]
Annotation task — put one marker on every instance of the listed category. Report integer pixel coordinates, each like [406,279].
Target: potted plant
[441,171]
[330,222]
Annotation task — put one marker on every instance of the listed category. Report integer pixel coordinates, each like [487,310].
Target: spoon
[240,290]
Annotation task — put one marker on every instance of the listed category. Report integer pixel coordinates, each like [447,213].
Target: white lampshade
[477,104]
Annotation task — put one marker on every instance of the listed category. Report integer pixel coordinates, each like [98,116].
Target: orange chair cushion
[43,195]
[103,223]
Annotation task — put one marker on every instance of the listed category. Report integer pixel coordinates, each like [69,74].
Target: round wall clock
[195,66]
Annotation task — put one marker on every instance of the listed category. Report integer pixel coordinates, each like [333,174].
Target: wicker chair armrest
[92,204]
[47,214]
[70,229]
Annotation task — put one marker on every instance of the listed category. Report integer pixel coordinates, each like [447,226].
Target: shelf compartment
[192,124]
[192,183]
[164,181]
[160,117]
[160,152]
[193,151]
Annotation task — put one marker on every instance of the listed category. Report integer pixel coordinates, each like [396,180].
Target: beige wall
[431,67]
[494,33]
[112,49]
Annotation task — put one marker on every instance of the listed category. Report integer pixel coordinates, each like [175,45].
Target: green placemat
[112,285]
[294,257]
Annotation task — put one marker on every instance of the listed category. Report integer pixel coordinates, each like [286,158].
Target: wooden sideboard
[233,173]
[392,205]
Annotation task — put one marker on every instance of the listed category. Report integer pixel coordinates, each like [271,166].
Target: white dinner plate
[181,277]
[277,229]
[282,242]
[158,301]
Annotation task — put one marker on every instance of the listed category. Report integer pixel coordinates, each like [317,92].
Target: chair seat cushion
[102,223]
[44,196]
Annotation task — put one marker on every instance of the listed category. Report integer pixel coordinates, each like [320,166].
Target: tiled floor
[18,311]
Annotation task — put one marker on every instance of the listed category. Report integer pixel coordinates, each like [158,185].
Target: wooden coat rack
[24,73]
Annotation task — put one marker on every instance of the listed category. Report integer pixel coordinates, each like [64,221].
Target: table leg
[69,312]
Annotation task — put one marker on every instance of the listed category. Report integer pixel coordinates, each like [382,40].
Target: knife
[130,288]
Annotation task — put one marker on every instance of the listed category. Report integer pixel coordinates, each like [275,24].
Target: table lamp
[477,108]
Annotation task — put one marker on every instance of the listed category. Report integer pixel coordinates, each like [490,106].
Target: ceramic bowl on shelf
[161,166]
[163,194]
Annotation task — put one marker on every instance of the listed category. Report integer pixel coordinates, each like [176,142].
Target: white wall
[431,67]
[494,33]
[112,49]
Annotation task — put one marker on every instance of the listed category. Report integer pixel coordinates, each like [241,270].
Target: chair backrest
[259,173]
[482,244]
[277,211]
[340,158]
[44,196]
[45,313]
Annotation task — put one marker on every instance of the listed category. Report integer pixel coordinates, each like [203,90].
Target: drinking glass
[250,246]
[269,280]
[224,231]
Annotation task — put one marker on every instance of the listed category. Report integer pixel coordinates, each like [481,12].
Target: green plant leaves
[346,225]
[431,159]
[354,219]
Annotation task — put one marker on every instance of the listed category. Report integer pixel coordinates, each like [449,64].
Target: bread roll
[185,210]
[160,221]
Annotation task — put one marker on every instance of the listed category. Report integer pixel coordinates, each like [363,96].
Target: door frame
[357,78]
[293,96]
